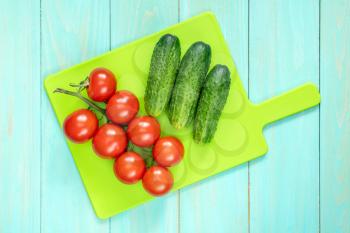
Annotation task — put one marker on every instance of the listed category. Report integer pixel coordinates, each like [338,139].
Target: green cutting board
[238,138]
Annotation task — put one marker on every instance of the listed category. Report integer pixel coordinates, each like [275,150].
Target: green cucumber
[211,102]
[189,81]
[163,70]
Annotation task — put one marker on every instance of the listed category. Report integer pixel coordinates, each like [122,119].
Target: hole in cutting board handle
[289,103]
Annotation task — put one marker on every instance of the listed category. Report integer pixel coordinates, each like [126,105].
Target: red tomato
[129,167]
[143,131]
[110,141]
[122,107]
[80,125]
[157,181]
[102,84]
[168,151]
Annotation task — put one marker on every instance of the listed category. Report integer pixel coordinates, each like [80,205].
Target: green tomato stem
[85,100]
[145,153]
[82,85]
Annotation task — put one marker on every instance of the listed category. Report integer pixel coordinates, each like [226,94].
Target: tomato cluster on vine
[133,141]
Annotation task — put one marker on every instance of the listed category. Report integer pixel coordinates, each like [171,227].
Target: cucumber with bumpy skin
[211,102]
[189,81]
[163,70]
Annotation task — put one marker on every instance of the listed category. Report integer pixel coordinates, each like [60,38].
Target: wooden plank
[220,203]
[72,31]
[335,116]
[20,116]
[284,185]
[132,20]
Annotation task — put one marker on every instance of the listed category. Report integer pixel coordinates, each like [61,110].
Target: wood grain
[335,116]
[131,20]
[72,31]
[20,116]
[220,203]
[275,43]
[283,53]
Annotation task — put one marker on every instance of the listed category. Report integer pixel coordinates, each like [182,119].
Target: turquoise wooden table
[301,185]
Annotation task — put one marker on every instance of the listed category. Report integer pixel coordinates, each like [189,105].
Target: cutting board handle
[291,102]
